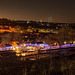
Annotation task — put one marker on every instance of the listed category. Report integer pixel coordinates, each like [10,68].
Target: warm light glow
[65,42]
[42,46]
[54,43]
[17,54]
[17,51]
[73,42]
[23,54]
[16,47]
[24,45]
[70,41]
[13,48]
[35,43]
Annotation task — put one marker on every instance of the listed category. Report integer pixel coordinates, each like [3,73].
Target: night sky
[47,10]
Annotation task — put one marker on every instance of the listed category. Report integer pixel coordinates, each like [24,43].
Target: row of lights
[34,45]
[70,42]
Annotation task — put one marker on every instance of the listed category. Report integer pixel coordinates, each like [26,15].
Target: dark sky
[47,10]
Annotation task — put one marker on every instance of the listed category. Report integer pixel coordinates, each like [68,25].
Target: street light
[65,42]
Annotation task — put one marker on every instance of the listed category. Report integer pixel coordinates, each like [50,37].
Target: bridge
[45,46]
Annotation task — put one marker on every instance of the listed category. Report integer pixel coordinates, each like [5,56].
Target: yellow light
[16,47]
[35,43]
[34,48]
[24,45]
[28,47]
[13,48]
[70,41]
[65,42]
[23,54]
[17,54]
[17,51]
[73,42]
[21,31]
[41,45]
[54,43]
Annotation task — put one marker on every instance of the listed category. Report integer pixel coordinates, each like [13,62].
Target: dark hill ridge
[5,21]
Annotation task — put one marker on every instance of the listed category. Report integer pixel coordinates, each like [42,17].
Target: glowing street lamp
[35,43]
[55,44]
[73,42]
[65,42]
[23,54]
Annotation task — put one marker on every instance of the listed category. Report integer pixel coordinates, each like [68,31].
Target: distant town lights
[65,42]
[70,41]
[17,54]
[17,51]
[17,47]
[23,54]
[24,44]
[54,43]
[13,48]
[73,42]
[35,43]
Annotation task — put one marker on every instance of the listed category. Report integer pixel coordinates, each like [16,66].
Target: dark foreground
[62,65]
